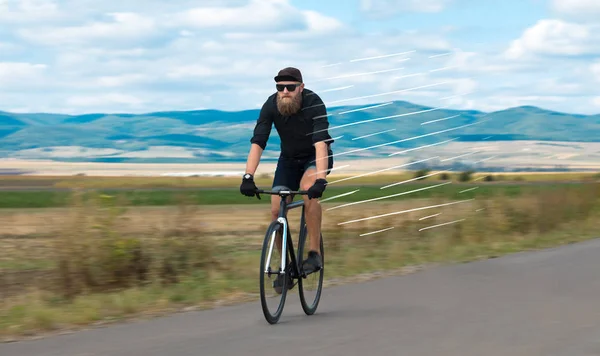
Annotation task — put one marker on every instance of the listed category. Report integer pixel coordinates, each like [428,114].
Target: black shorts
[289,171]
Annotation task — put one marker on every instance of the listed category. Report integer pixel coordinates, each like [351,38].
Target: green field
[53,192]
[165,197]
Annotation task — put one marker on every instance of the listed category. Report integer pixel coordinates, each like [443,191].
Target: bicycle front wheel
[311,286]
[272,299]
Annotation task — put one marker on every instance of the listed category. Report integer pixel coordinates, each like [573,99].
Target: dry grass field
[96,260]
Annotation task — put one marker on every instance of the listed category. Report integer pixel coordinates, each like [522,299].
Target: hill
[219,136]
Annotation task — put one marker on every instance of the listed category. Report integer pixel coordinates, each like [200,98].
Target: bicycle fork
[284,239]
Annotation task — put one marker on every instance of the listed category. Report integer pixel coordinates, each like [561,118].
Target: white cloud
[583,10]
[123,80]
[191,71]
[556,37]
[124,28]
[561,86]
[105,100]
[16,74]
[384,8]
[5,47]
[595,69]
[485,64]
[256,15]
[320,23]
[549,64]
[28,11]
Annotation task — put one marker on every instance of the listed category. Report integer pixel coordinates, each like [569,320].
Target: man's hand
[248,188]
[317,189]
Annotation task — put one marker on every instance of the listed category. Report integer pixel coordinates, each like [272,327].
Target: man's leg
[313,211]
[313,217]
[285,176]
[275,201]
[280,179]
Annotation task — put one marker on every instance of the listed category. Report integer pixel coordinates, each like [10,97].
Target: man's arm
[320,136]
[253,158]
[259,139]
[322,159]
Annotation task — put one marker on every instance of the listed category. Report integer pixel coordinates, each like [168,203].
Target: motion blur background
[125,125]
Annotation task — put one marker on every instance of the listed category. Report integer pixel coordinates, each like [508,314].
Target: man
[300,117]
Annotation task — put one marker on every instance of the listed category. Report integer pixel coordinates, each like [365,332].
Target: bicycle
[293,270]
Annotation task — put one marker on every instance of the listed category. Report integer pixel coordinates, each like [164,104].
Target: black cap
[289,74]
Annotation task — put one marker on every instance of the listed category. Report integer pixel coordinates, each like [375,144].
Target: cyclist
[305,159]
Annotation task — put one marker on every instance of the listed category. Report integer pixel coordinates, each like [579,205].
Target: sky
[136,56]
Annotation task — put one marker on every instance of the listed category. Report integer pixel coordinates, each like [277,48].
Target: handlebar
[282,192]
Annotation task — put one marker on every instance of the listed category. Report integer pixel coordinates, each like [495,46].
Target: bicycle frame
[284,207]
[281,223]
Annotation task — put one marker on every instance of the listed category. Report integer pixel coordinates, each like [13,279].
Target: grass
[23,199]
[107,260]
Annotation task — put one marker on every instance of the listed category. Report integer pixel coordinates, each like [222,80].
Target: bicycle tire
[312,308]
[272,318]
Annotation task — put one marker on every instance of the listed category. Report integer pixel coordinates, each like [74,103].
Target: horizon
[62,57]
[328,109]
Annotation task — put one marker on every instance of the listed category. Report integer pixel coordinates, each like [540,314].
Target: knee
[274,207]
[306,185]
[274,212]
[311,205]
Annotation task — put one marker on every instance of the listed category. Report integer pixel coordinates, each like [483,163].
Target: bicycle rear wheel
[311,286]
[271,271]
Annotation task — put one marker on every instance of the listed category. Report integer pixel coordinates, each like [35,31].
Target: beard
[288,106]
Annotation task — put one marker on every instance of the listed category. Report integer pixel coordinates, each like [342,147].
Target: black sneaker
[278,283]
[313,263]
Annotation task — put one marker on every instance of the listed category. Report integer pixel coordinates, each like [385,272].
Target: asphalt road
[541,303]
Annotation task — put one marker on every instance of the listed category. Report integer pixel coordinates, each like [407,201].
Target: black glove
[317,189]
[248,188]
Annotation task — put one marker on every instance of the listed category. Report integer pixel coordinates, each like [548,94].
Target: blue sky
[81,56]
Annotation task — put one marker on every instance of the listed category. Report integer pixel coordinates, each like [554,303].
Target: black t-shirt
[299,132]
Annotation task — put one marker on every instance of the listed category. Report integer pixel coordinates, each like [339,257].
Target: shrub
[422,172]
[444,176]
[465,176]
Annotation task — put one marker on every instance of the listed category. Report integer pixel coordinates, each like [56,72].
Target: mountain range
[224,136]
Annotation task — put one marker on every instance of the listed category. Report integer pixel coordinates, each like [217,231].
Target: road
[535,303]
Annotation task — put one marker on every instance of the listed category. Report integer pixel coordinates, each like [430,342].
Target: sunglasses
[289,87]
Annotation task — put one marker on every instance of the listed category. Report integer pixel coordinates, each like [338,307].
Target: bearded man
[305,159]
